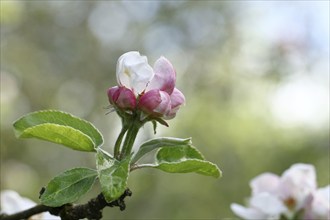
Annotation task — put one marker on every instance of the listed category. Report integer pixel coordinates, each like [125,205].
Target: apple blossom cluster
[144,89]
[294,195]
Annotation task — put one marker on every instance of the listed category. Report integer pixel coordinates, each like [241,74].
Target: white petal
[47,216]
[247,213]
[320,208]
[123,79]
[298,183]
[133,71]
[268,204]
[141,75]
[266,182]
[12,202]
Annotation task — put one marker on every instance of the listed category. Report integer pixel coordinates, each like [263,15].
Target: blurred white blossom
[11,203]
[291,196]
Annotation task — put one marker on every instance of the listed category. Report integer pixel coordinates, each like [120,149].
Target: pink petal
[149,101]
[177,99]
[155,102]
[164,106]
[113,94]
[164,78]
[122,97]
[126,99]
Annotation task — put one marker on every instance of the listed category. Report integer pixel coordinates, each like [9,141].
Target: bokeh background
[255,75]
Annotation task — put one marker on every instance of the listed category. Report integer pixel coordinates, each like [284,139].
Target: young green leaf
[183,159]
[60,134]
[190,165]
[156,143]
[59,127]
[113,175]
[68,187]
[178,153]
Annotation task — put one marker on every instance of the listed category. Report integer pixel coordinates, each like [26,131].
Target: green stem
[130,138]
[136,166]
[119,140]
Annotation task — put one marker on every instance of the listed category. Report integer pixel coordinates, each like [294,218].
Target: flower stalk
[119,141]
[131,125]
[130,139]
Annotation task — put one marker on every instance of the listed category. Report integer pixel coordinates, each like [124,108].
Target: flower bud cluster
[294,195]
[143,88]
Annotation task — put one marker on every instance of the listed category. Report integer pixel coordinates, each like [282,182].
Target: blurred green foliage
[237,63]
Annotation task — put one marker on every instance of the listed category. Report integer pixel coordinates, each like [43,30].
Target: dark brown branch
[90,210]
[25,214]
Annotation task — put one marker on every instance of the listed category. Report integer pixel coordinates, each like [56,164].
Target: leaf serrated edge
[57,125]
[219,173]
[178,146]
[115,161]
[64,113]
[159,145]
[53,179]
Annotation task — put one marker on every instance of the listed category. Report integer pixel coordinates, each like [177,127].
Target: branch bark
[91,210]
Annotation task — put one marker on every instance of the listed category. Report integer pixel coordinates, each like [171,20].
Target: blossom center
[127,72]
[290,203]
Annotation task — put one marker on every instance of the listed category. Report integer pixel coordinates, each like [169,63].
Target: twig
[91,210]
[25,214]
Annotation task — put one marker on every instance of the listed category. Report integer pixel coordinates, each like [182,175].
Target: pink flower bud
[155,103]
[153,88]
[122,97]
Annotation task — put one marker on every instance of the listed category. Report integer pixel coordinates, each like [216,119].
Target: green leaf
[191,165]
[60,134]
[59,127]
[178,153]
[156,143]
[113,175]
[68,187]
[183,159]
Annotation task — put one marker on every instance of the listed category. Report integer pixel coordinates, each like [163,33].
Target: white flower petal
[266,182]
[11,203]
[47,216]
[298,183]
[247,213]
[320,208]
[133,71]
[268,204]
[141,75]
